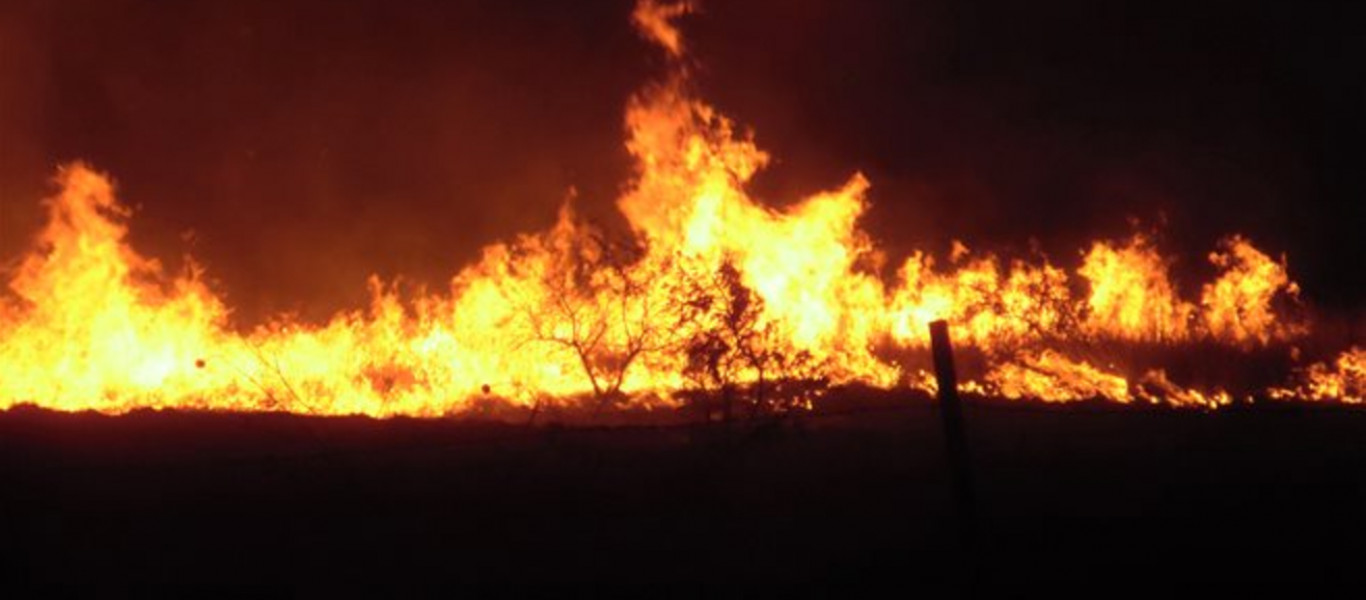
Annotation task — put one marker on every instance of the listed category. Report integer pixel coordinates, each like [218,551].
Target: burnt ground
[1066,494]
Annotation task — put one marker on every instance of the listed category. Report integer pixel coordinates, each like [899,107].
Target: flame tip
[711,292]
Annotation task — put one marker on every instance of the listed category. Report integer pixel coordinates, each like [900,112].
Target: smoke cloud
[296,147]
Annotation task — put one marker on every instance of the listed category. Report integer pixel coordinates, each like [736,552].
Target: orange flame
[1344,380]
[655,21]
[713,292]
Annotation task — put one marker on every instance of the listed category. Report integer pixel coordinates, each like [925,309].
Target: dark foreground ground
[1065,494]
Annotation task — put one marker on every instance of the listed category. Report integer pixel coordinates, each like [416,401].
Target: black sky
[308,143]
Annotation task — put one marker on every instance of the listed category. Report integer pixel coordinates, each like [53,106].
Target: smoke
[1044,124]
[302,146]
[23,170]
[305,145]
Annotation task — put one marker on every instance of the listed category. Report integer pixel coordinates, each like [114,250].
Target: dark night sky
[309,143]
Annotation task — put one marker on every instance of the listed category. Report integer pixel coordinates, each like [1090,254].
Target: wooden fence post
[951,408]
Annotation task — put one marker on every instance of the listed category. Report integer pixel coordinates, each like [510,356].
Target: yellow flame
[1343,380]
[712,291]
[1051,377]
[1132,296]
[1238,305]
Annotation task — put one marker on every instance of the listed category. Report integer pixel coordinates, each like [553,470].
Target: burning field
[709,294]
[771,358]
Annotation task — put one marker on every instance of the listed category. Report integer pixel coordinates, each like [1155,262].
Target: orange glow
[714,291]
[1051,377]
[1131,295]
[1238,305]
[1342,380]
[655,20]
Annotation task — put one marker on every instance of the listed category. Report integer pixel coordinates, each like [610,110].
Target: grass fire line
[710,294]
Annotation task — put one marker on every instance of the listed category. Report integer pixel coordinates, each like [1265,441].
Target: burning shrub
[736,354]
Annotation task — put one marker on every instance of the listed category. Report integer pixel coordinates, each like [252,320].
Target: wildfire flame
[713,292]
[1343,380]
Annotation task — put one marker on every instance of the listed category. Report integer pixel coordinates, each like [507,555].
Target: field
[1065,493]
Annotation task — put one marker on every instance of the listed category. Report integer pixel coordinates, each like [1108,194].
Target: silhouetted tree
[735,354]
[607,302]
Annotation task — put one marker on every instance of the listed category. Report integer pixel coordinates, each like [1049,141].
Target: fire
[1051,377]
[712,292]
[1343,380]
[655,21]
[95,325]
[1132,297]
[1238,305]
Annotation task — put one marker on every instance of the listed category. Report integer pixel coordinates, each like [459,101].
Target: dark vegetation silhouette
[737,359]
[614,316]
[609,314]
